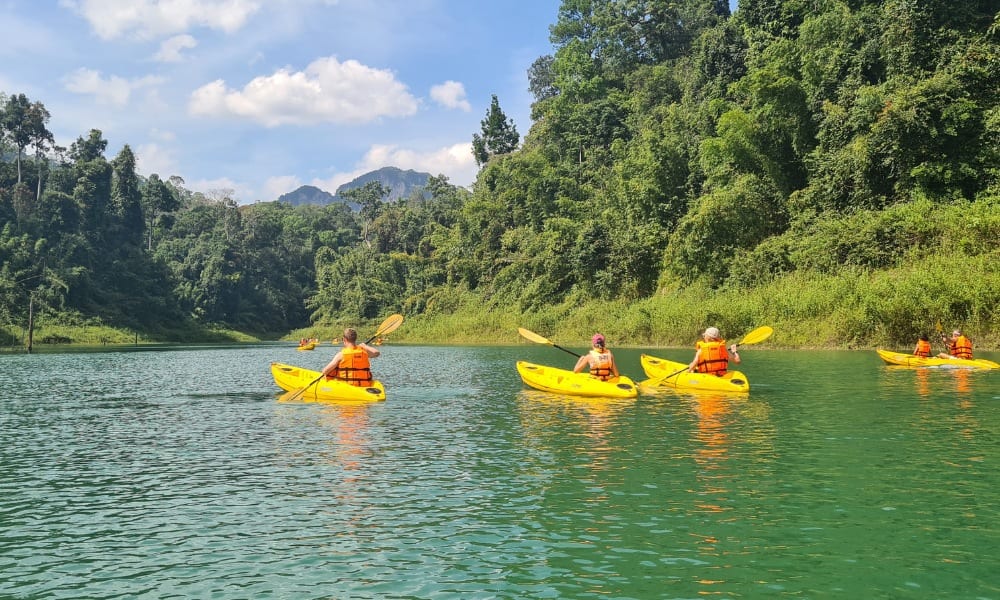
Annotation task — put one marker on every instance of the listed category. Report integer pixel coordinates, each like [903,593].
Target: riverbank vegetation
[831,169]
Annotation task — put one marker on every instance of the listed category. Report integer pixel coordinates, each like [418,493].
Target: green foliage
[499,135]
[725,222]
[830,168]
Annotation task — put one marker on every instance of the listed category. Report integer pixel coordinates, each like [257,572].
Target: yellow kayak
[663,372]
[910,360]
[561,381]
[291,378]
[309,346]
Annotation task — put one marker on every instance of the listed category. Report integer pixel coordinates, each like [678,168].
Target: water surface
[177,473]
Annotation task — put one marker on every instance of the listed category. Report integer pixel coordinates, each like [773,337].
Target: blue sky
[262,96]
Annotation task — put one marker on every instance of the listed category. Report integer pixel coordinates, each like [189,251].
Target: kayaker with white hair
[711,355]
[599,359]
[959,346]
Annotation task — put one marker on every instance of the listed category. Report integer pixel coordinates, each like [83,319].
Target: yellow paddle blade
[531,336]
[389,325]
[757,335]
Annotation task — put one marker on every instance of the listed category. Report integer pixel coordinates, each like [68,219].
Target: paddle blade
[531,336]
[757,335]
[391,324]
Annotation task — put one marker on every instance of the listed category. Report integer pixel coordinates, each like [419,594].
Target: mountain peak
[400,183]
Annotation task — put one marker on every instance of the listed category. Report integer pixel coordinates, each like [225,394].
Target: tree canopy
[673,146]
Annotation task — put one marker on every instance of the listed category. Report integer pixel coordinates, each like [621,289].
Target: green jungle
[830,168]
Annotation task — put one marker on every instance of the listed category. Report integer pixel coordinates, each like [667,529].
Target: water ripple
[178,474]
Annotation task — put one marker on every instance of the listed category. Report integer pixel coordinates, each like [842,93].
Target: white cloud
[154,158]
[451,94]
[113,90]
[455,161]
[276,186]
[326,91]
[146,19]
[170,49]
[219,188]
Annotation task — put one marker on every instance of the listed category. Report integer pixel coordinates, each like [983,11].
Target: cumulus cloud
[222,188]
[170,49]
[274,187]
[113,90]
[326,91]
[455,161]
[451,94]
[154,158]
[147,19]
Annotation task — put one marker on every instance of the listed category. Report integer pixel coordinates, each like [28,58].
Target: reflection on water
[551,419]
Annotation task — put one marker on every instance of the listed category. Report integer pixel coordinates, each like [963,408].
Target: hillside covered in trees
[830,168]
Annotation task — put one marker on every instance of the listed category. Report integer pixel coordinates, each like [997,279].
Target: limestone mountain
[400,183]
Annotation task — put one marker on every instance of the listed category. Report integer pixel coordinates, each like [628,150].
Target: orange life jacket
[712,358]
[600,364]
[961,348]
[354,367]
[923,348]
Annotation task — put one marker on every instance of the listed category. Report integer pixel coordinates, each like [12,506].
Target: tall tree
[23,123]
[499,135]
[157,198]
[370,197]
[126,197]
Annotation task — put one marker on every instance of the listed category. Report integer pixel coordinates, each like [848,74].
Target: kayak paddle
[388,326]
[534,337]
[756,336]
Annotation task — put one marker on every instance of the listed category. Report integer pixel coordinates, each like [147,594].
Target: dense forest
[831,167]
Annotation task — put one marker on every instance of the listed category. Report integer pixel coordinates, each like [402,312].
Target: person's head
[350,335]
[712,333]
[956,333]
[924,338]
[597,341]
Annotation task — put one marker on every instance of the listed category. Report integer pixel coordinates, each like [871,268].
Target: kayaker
[351,364]
[958,347]
[923,347]
[710,354]
[599,359]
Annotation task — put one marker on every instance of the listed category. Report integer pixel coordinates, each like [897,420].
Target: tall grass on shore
[854,308]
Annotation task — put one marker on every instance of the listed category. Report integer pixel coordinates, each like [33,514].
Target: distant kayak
[911,360]
[562,381]
[292,379]
[309,346]
[668,373]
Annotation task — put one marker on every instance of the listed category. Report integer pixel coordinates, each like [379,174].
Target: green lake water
[177,473]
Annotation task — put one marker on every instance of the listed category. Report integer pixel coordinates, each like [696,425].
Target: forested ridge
[826,167]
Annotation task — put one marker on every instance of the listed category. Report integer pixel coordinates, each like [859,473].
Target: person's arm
[372,352]
[694,362]
[614,367]
[331,367]
[734,354]
[582,362]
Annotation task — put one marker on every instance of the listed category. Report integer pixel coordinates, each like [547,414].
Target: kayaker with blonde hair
[599,359]
[351,364]
[710,354]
